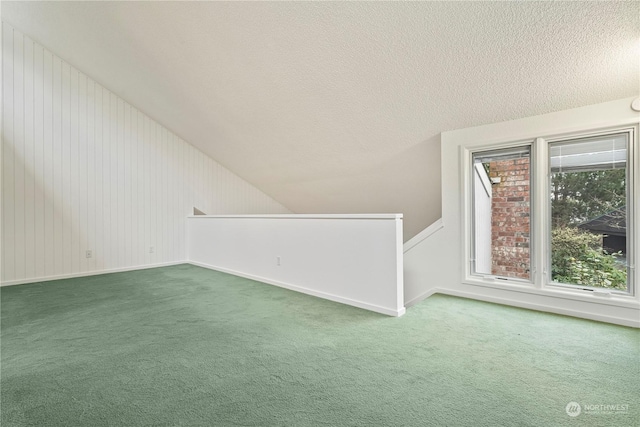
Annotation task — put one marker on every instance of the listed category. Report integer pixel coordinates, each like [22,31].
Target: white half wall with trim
[436,263]
[352,259]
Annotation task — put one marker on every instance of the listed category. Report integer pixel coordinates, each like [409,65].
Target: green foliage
[579,196]
[570,243]
[577,258]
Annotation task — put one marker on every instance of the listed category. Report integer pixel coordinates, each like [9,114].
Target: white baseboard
[320,294]
[530,306]
[415,300]
[88,273]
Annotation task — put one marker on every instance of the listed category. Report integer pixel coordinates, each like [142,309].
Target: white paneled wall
[84,170]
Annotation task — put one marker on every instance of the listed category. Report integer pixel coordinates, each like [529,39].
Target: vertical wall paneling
[184,201]
[146,186]
[164,196]
[90,177]
[74,205]
[217,188]
[141,221]
[151,197]
[38,162]
[200,179]
[135,200]
[156,183]
[8,175]
[133,183]
[83,170]
[126,162]
[19,154]
[47,148]
[170,195]
[159,184]
[83,197]
[62,168]
[57,166]
[107,147]
[66,201]
[164,225]
[29,160]
[173,207]
[114,183]
[98,162]
[132,156]
[121,162]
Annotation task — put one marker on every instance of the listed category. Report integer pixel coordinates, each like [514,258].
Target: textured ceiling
[337,107]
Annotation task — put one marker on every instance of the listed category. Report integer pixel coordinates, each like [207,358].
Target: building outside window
[502,201]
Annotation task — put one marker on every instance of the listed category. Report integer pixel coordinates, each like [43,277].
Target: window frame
[468,217]
[632,200]
[532,191]
[540,222]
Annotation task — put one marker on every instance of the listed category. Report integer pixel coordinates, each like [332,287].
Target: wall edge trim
[292,287]
[424,234]
[537,307]
[88,273]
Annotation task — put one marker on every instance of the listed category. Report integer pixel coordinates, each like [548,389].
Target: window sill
[626,301]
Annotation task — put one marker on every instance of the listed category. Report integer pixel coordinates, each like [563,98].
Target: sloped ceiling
[337,107]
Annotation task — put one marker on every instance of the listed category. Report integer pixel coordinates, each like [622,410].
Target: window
[576,191]
[501,206]
[589,210]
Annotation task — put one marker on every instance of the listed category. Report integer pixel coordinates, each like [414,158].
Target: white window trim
[540,283]
[632,195]
[467,218]
[468,203]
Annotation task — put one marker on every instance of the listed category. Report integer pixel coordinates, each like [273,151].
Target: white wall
[436,263]
[84,170]
[353,259]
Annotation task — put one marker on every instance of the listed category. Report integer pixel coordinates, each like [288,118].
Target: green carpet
[188,346]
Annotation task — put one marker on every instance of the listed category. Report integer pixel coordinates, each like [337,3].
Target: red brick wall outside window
[510,218]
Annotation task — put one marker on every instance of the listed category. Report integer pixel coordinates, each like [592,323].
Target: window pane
[589,212]
[501,211]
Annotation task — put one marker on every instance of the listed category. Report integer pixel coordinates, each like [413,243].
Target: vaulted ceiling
[338,107]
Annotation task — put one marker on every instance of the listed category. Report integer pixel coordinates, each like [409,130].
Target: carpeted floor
[188,346]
